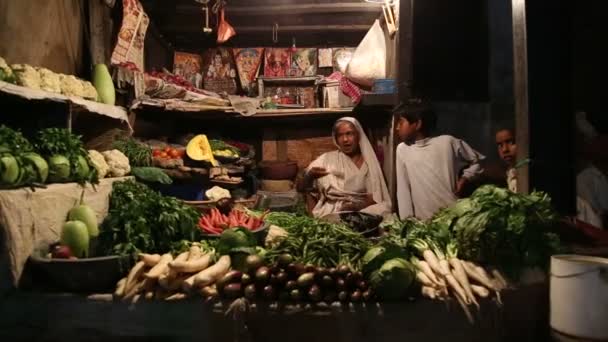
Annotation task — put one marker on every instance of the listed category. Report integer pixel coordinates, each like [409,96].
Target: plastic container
[384,86]
[579,296]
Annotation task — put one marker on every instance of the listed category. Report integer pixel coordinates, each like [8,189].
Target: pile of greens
[495,227]
[318,243]
[218,145]
[140,219]
[67,158]
[19,164]
[13,141]
[139,154]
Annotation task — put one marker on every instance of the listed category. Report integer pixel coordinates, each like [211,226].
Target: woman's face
[347,137]
[217,59]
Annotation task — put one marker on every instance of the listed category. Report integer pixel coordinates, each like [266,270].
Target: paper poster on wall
[325,57]
[189,66]
[277,62]
[341,58]
[304,62]
[248,62]
[219,71]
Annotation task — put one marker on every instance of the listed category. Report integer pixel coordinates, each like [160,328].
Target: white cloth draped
[347,183]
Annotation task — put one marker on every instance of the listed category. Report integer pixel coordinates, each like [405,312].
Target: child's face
[407,130]
[507,149]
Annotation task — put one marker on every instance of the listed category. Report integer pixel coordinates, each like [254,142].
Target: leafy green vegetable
[60,142]
[151,175]
[139,154]
[217,145]
[317,242]
[236,240]
[13,141]
[140,219]
[393,280]
[505,229]
[378,255]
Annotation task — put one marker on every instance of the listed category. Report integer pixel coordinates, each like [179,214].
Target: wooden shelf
[74,103]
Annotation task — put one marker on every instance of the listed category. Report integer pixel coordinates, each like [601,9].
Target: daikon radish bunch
[167,277]
[443,274]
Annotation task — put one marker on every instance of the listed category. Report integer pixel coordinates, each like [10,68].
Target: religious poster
[219,71]
[188,66]
[277,62]
[325,58]
[341,58]
[304,62]
[248,62]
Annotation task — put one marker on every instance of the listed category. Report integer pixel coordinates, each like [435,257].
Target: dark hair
[506,127]
[414,110]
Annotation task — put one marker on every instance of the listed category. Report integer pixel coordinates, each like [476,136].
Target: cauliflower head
[117,162]
[99,162]
[6,73]
[49,80]
[89,91]
[26,76]
[71,86]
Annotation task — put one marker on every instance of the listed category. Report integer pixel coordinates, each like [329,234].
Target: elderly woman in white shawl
[349,179]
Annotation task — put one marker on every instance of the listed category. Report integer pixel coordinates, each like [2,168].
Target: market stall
[179,217]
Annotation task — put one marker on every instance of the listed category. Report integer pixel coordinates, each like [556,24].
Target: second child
[427,166]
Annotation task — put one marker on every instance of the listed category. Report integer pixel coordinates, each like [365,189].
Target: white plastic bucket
[579,296]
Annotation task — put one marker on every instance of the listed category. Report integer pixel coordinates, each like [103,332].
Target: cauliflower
[71,86]
[89,91]
[99,162]
[117,162]
[6,73]
[216,193]
[26,76]
[49,80]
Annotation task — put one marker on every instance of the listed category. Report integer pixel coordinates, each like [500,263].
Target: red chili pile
[215,222]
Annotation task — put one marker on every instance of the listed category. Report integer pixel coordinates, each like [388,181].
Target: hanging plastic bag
[368,63]
[224,30]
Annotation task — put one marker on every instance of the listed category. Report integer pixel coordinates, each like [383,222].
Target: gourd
[199,149]
[103,83]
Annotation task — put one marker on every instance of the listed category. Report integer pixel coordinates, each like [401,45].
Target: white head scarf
[331,186]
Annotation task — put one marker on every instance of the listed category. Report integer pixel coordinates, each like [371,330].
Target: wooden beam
[352,7]
[282,29]
[520,80]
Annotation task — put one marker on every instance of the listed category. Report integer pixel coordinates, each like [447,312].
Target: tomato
[167,149]
[163,154]
[174,153]
[156,153]
[182,153]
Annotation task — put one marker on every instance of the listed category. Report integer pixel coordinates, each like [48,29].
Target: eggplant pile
[289,281]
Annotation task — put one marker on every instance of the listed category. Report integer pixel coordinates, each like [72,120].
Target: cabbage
[393,280]
[376,256]
[236,240]
[59,168]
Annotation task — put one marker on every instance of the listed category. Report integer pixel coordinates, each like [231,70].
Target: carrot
[161,267]
[480,291]
[213,273]
[191,266]
[149,259]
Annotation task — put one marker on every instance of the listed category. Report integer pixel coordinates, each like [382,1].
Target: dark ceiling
[309,22]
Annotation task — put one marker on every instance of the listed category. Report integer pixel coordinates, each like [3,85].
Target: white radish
[191,266]
[134,275]
[480,291]
[176,296]
[149,295]
[461,276]
[426,269]
[134,290]
[478,274]
[500,279]
[453,283]
[464,307]
[171,273]
[195,252]
[161,267]
[136,298]
[120,287]
[428,255]
[213,273]
[424,280]
[174,284]
[149,259]
[429,292]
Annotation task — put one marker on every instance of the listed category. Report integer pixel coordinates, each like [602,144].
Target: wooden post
[520,83]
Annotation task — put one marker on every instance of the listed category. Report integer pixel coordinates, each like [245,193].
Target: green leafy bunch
[139,154]
[13,141]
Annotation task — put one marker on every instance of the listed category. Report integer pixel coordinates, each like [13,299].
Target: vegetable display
[140,219]
[139,154]
[216,222]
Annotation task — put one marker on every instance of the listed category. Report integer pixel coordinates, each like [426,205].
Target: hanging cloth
[224,30]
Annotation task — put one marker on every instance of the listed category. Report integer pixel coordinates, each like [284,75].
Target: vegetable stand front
[29,316]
